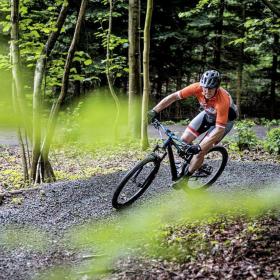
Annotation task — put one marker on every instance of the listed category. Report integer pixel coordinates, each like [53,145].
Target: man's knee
[187,137]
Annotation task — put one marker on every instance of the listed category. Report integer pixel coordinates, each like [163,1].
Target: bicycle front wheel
[214,164]
[136,182]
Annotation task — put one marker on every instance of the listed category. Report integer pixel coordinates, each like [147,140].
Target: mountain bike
[139,178]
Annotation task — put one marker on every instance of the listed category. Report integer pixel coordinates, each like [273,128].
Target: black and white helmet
[210,79]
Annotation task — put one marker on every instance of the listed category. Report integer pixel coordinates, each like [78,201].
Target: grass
[71,162]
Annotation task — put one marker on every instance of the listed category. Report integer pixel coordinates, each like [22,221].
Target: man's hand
[194,149]
[152,115]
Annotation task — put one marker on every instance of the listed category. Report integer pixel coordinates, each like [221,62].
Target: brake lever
[155,123]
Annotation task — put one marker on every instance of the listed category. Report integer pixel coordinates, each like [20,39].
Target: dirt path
[55,208]
[9,137]
[259,130]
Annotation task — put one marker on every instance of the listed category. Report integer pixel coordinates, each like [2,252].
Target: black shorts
[202,123]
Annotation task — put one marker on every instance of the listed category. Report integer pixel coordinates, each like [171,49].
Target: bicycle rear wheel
[136,182]
[214,164]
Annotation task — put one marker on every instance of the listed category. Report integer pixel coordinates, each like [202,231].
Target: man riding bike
[216,119]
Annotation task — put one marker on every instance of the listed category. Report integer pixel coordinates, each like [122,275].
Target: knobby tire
[136,171]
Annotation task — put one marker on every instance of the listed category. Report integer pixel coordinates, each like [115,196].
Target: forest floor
[228,248]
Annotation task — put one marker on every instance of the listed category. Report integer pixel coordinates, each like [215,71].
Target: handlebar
[156,123]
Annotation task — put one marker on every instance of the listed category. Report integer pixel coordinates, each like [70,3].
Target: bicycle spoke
[137,182]
[211,166]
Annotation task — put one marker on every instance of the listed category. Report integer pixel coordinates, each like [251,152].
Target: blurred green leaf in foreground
[137,227]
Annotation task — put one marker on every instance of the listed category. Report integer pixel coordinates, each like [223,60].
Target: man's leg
[196,127]
[198,159]
[187,137]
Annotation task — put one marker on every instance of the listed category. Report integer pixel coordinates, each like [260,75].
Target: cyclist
[216,119]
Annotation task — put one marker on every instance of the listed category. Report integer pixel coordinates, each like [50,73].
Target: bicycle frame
[167,145]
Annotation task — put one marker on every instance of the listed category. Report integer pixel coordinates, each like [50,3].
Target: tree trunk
[18,100]
[218,45]
[134,62]
[38,78]
[240,65]
[239,86]
[108,71]
[77,64]
[64,88]
[146,78]
[273,76]
[77,84]
[178,113]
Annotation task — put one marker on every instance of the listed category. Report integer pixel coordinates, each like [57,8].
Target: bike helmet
[210,79]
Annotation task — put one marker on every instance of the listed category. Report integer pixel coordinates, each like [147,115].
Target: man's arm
[165,102]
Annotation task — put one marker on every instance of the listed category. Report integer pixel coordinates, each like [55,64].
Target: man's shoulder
[223,91]
[190,90]
[223,97]
[195,87]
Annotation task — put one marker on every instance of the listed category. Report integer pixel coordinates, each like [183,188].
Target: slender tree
[108,66]
[17,85]
[240,67]
[36,173]
[275,46]
[218,44]
[274,74]
[134,62]
[64,88]
[146,75]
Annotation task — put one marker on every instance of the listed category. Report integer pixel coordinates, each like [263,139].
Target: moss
[17,200]
[13,179]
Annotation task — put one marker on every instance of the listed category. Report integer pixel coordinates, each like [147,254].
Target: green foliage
[117,63]
[4,62]
[69,120]
[245,137]
[13,178]
[269,123]
[184,122]
[183,43]
[272,141]
[154,229]
[182,242]
[169,122]
[200,7]
[7,115]
[17,200]
[231,144]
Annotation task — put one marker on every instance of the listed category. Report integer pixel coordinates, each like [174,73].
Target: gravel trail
[9,137]
[54,208]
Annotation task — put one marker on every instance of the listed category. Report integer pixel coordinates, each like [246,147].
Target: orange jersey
[216,107]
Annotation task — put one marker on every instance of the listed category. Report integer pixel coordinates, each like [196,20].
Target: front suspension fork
[173,168]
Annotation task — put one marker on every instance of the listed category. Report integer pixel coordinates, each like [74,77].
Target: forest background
[60,52]
[241,39]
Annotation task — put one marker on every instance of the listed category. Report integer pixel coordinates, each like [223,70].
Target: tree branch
[271,7]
